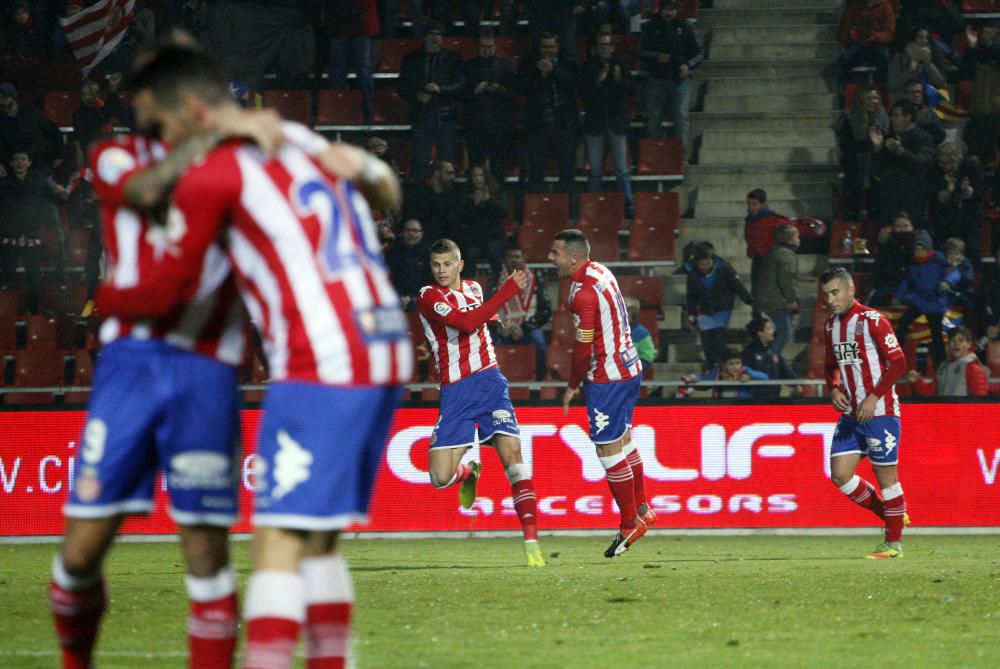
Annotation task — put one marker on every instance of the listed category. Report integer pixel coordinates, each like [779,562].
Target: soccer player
[299,233]
[473,391]
[185,421]
[604,355]
[863,363]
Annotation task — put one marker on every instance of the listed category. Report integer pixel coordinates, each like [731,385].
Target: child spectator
[758,229]
[712,287]
[924,291]
[961,376]
[960,294]
[641,336]
[730,369]
[760,355]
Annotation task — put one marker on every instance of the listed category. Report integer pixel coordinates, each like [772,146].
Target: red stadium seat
[77,247]
[390,109]
[41,332]
[393,52]
[603,241]
[981,5]
[563,294]
[517,362]
[651,319]
[8,335]
[817,358]
[647,289]
[62,298]
[652,235]
[563,330]
[464,45]
[292,104]
[335,108]
[59,106]
[546,208]
[83,375]
[660,157]
[606,210]
[36,367]
[12,300]
[558,361]
[536,239]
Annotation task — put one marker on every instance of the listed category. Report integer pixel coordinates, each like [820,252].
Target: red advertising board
[706,467]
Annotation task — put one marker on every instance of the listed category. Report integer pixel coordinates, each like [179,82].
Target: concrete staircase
[766,120]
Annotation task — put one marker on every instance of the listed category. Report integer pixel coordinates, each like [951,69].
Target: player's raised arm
[372,176]
[467,322]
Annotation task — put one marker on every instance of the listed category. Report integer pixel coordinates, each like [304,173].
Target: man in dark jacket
[895,250]
[24,127]
[558,17]
[900,162]
[981,64]
[774,293]
[759,355]
[712,286]
[670,49]
[431,80]
[489,106]
[605,84]
[548,82]
[409,264]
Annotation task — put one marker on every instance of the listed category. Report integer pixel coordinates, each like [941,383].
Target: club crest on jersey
[442,309]
[846,352]
[891,342]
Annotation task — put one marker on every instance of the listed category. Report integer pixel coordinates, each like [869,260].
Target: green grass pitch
[673,601]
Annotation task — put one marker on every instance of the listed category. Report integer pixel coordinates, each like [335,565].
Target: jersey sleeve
[113,163]
[831,371]
[201,207]
[584,308]
[890,351]
[435,309]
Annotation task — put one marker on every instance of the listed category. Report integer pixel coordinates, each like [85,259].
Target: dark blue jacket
[921,285]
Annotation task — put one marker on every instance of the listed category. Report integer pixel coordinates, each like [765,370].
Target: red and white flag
[97,30]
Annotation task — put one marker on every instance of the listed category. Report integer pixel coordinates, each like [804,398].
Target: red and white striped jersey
[458,354]
[601,319]
[861,344]
[213,322]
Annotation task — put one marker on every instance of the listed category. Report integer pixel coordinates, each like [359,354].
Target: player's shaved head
[575,241]
[838,272]
[446,246]
[837,286]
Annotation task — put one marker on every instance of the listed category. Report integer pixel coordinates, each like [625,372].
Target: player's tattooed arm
[150,187]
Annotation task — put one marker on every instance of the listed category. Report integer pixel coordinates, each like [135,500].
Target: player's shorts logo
[874,444]
[291,465]
[890,441]
[601,421]
[502,417]
[199,470]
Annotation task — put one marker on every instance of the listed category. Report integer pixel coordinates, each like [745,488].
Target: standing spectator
[605,85]
[959,293]
[388,13]
[555,17]
[758,229]
[981,64]
[89,120]
[924,291]
[430,79]
[381,150]
[712,287]
[25,195]
[955,186]
[988,305]
[867,28]
[435,203]
[730,368]
[489,106]
[352,39]
[961,376]
[641,336]
[915,93]
[409,263]
[27,40]
[522,319]
[854,139]
[892,259]
[774,293]
[760,355]
[548,82]
[670,50]
[901,160]
[942,18]
[479,225]
[25,127]
[914,62]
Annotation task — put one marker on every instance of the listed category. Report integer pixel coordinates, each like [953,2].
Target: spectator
[892,259]
[960,293]
[758,229]
[914,62]
[605,85]
[479,226]
[981,64]
[435,203]
[430,79]
[388,14]
[867,28]
[712,286]
[27,39]
[915,93]
[489,106]
[89,121]
[352,39]
[409,263]
[955,186]
[559,18]
[961,376]
[522,318]
[901,160]
[924,291]
[988,305]
[854,135]
[941,18]
[670,50]
[24,194]
[380,148]
[548,82]
[116,109]
[731,368]
[617,14]
[58,44]
[641,336]
[774,293]
[24,127]
[761,356]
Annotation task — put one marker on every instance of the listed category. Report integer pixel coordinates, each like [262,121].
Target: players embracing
[473,391]
[607,366]
[863,363]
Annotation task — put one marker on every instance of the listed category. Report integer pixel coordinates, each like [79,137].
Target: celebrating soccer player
[473,391]
[863,363]
[604,355]
[298,230]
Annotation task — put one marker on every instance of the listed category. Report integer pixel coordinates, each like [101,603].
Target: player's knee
[440,480]
[840,480]
[517,472]
[79,562]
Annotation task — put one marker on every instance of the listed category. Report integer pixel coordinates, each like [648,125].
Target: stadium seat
[536,239]
[647,289]
[603,242]
[653,230]
[563,330]
[83,375]
[59,106]
[77,247]
[517,362]
[62,298]
[41,332]
[604,210]
[981,6]
[292,104]
[546,209]
[558,361]
[8,335]
[12,300]
[36,368]
[651,319]
[338,108]
[49,235]
[993,356]
[390,109]
[817,358]
[563,294]
[393,52]
[660,157]
[464,45]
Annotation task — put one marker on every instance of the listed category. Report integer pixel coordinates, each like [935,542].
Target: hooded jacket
[921,287]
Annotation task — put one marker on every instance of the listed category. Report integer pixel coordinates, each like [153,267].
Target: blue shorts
[319,451]
[878,439]
[609,408]
[482,399]
[155,407]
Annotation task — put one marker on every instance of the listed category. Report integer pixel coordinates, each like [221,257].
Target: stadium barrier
[707,466]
